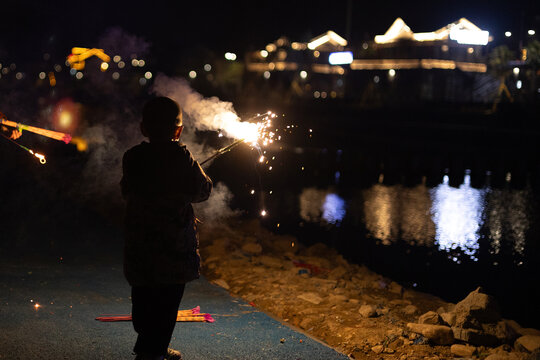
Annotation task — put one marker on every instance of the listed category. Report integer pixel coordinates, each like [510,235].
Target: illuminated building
[448,64]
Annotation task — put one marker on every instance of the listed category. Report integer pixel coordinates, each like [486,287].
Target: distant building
[447,65]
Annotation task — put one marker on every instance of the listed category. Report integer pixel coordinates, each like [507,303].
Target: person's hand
[15,134]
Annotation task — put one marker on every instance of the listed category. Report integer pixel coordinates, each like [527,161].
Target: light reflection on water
[452,219]
[457,214]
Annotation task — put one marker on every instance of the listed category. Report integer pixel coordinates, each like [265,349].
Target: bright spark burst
[255,133]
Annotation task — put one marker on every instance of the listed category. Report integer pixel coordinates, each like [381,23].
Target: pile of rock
[351,308]
[473,324]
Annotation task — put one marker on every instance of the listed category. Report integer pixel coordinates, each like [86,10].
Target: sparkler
[44,132]
[257,134]
[39,156]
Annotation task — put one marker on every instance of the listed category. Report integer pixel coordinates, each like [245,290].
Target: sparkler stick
[223,150]
[48,133]
[39,156]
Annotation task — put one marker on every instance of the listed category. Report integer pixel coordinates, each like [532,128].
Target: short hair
[160,116]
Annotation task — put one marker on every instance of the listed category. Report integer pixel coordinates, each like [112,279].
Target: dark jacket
[159,183]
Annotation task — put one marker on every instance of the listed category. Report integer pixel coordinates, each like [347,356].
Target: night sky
[178,28]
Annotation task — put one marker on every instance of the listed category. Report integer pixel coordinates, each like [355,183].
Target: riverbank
[358,312]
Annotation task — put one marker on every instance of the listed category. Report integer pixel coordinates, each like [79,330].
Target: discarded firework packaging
[314,269]
[182,315]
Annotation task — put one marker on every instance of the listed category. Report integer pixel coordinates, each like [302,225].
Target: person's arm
[202,182]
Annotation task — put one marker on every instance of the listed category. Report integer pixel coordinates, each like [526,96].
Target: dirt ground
[358,312]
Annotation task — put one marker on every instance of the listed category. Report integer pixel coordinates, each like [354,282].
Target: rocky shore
[356,311]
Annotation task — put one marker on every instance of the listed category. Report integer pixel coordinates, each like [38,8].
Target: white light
[303,74]
[508,34]
[457,214]
[263,213]
[134,62]
[333,209]
[79,75]
[316,94]
[117,58]
[515,71]
[230,56]
[42,75]
[148,75]
[72,71]
[266,74]
[121,64]
[207,67]
[392,72]
[365,46]
[19,75]
[192,74]
[531,32]
[471,37]
[340,58]
[142,81]
[264,53]
[104,66]
[518,84]
[376,79]
[57,68]
[115,75]
[142,63]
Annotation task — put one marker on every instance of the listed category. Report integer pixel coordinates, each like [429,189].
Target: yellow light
[316,53]
[192,74]
[134,62]
[117,58]
[81,144]
[36,305]
[148,75]
[65,119]
[104,66]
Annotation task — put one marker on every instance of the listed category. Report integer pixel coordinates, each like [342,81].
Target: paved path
[72,295]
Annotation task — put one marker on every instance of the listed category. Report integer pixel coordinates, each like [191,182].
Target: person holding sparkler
[160,182]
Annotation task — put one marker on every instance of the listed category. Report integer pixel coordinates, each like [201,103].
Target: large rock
[410,310]
[476,308]
[431,317]
[449,318]
[462,350]
[502,331]
[527,343]
[502,356]
[474,337]
[252,248]
[311,297]
[367,311]
[438,334]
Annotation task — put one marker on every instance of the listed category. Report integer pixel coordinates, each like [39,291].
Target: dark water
[441,209]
